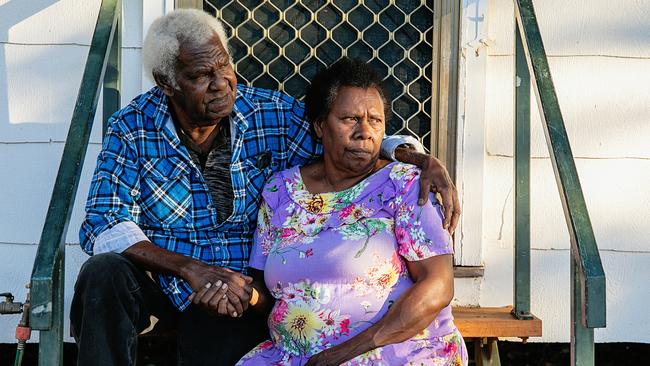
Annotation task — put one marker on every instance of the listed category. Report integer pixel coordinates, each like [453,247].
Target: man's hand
[436,179]
[218,289]
[209,283]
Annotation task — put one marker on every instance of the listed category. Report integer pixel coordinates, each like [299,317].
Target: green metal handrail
[46,314]
[587,274]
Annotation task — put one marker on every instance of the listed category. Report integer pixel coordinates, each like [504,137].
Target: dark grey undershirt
[215,167]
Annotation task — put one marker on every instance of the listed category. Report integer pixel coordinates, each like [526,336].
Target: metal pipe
[23,332]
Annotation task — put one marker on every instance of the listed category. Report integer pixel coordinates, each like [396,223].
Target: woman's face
[353,129]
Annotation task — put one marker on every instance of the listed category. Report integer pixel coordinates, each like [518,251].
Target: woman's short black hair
[326,85]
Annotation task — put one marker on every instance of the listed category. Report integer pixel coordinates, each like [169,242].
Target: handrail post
[521,189]
[588,282]
[48,274]
[111,100]
[50,349]
[582,338]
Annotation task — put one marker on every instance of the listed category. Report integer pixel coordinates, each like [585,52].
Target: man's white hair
[162,44]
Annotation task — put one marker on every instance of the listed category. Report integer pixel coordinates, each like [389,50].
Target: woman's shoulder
[403,175]
[275,187]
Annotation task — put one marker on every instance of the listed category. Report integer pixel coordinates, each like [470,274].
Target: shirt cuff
[390,143]
[118,238]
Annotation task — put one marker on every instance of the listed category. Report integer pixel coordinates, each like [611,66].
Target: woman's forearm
[413,311]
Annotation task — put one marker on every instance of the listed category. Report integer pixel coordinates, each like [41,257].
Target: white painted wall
[599,55]
[599,59]
[43,50]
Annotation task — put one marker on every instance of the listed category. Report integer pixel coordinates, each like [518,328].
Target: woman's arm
[413,311]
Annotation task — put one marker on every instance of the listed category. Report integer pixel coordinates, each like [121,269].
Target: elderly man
[176,193]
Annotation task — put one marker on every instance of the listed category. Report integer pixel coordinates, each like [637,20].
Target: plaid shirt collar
[156,107]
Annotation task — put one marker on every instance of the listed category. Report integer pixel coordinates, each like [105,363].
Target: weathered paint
[603,92]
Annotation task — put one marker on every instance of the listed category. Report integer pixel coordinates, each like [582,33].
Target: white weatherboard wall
[599,59]
[43,50]
[599,55]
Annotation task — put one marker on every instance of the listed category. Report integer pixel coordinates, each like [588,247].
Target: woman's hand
[337,355]
[325,358]
[434,178]
[413,311]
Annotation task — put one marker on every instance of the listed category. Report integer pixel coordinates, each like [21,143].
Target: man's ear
[318,128]
[164,84]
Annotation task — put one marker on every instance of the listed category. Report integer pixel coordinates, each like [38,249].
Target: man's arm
[434,178]
[210,283]
[110,225]
[111,208]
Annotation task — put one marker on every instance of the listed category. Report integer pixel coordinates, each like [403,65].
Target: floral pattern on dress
[335,262]
[380,277]
[301,320]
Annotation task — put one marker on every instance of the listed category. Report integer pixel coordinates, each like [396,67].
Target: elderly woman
[358,273]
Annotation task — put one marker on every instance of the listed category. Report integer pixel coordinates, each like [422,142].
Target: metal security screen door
[281,45]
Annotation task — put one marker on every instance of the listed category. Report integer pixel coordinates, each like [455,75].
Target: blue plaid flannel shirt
[144,174]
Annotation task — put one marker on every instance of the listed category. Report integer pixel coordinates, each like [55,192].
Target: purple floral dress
[335,263]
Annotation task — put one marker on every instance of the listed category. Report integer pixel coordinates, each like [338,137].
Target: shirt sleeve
[302,146]
[118,238]
[113,195]
[418,229]
[390,143]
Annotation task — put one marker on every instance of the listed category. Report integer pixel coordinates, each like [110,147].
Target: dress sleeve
[418,229]
[265,231]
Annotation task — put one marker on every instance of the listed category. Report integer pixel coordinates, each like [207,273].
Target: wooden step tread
[479,322]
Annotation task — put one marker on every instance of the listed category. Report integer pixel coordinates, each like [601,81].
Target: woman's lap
[447,350]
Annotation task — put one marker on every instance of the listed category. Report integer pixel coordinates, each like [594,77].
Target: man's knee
[107,272]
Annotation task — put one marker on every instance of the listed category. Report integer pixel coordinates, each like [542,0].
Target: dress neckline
[327,202]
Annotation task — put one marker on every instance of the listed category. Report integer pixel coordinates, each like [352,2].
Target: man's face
[206,83]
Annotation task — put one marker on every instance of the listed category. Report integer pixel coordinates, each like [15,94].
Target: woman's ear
[318,128]
[164,84]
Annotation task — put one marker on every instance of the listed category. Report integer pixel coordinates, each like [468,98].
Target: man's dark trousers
[113,301]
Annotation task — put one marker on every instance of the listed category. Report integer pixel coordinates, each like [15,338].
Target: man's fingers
[222,308]
[217,296]
[198,295]
[232,311]
[210,294]
[448,207]
[455,217]
[236,303]
[425,188]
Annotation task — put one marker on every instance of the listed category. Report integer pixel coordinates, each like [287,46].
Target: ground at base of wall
[161,352]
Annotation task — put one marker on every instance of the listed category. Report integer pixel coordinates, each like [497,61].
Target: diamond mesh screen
[281,45]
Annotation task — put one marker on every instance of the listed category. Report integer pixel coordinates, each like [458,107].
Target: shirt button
[134,192]
[217,249]
[209,206]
